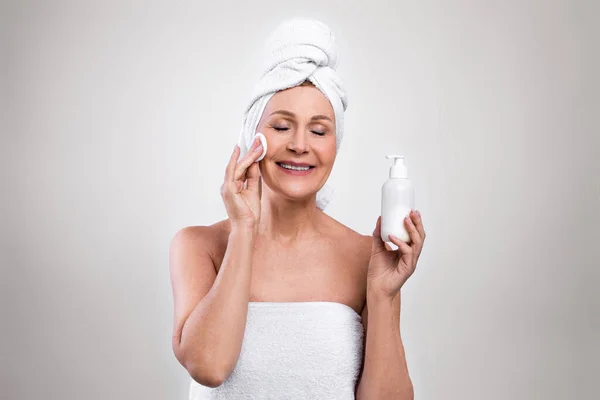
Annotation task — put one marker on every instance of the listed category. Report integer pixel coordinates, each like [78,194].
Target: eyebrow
[291,114]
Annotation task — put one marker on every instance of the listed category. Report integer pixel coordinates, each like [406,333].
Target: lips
[295,164]
[296,172]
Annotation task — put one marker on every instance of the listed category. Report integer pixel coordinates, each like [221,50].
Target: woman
[280,300]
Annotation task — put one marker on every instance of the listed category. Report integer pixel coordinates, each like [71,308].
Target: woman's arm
[385,373]
[210,308]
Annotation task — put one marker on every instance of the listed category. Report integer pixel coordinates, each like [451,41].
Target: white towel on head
[297,50]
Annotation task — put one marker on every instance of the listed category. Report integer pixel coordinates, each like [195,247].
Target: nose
[298,143]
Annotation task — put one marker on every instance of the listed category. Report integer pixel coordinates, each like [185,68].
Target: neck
[286,221]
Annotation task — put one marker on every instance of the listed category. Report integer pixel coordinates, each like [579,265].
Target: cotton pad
[263,142]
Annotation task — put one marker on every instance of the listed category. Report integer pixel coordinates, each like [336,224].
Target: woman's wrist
[243,230]
[377,295]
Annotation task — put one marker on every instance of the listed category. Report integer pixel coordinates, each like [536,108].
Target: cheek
[274,144]
[326,152]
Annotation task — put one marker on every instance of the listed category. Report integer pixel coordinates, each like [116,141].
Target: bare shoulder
[203,238]
[347,233]
[352,243]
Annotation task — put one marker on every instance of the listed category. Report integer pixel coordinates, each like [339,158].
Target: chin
[297,191]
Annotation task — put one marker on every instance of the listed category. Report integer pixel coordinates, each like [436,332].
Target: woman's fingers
[415,237]
[378,244]
[228,185]
[252,177]
[404,247]
[247,160]
[418,221]
[406,251]
[231,164]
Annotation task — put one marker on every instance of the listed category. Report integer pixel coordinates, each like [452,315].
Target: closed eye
[285,129]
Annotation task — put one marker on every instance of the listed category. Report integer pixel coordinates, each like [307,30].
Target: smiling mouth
[294,168]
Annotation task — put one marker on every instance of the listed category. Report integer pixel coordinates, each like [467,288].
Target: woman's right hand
[243,204]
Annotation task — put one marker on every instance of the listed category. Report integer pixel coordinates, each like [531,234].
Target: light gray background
[119,117]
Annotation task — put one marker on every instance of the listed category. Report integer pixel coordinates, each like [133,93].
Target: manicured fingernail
[259,148]
[418,213]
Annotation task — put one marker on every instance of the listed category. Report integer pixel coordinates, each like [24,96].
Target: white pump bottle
[397,200]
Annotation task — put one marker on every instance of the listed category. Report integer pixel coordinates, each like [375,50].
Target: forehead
[301,100]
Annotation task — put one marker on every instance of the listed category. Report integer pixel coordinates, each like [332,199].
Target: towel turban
[298,50]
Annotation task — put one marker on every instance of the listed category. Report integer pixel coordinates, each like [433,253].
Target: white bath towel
[297,50]
[294,351]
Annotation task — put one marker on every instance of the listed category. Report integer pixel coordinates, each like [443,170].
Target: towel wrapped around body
[294,350]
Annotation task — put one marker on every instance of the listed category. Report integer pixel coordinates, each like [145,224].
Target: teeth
[294,168]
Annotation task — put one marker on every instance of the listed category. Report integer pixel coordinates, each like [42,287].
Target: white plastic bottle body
[397,199]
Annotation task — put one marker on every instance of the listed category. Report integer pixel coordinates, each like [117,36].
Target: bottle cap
[398,169]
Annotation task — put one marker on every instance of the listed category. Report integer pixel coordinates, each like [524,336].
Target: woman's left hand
[389,269]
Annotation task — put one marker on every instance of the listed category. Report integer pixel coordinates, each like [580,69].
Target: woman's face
[299,125]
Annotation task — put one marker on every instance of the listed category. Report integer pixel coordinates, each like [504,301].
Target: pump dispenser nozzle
[398,169]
